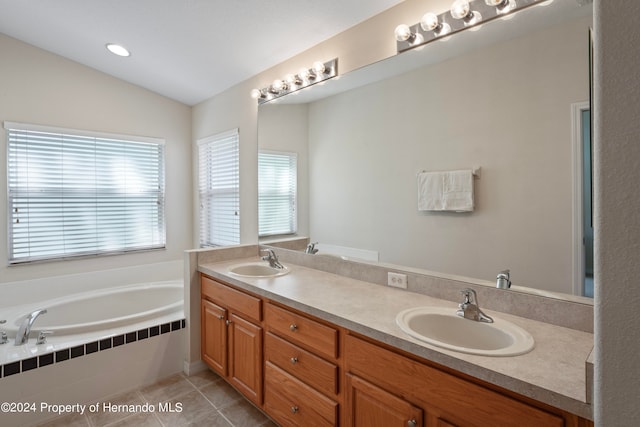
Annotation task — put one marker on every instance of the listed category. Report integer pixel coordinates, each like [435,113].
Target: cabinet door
[292,403]
[214,336]
[371,406]
[245,357]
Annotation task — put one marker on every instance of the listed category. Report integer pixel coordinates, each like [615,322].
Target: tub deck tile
[64,354]
[77,351]
[92,347]
[45,359]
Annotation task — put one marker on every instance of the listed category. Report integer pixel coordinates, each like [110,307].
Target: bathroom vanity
[321,349]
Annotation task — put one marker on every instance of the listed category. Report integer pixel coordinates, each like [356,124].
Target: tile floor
[206,400]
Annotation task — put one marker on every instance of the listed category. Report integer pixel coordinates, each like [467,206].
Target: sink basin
[442,327]
[257,269]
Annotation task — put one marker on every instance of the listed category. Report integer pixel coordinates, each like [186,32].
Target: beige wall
[617,222]
[41,88]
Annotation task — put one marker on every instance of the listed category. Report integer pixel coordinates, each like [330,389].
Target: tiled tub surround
[81,318]
[553,373]
[99,356]
[31,356]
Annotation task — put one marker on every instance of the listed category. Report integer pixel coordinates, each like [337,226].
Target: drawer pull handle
[293,327]
[294,409]
[294,360]
[412,423]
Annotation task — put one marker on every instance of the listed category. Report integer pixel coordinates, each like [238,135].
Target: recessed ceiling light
[116,49]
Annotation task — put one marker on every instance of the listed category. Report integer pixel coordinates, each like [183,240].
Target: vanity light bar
[319,72]
[463,14]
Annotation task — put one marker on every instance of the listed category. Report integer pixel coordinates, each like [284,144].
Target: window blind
[277,193]
[74,193]
[219,189]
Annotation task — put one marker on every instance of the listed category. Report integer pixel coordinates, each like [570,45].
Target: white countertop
[554,372]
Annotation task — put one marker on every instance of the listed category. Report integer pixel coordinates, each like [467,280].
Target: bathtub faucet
[25,328]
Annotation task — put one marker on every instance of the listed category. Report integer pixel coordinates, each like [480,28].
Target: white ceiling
[187,50]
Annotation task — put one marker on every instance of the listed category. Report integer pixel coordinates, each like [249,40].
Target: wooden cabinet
[291,402]
[446,400]
[371,406]
[214,336]
[232,336]
[301,369]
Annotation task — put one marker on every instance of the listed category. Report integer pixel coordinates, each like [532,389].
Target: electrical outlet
[397,280]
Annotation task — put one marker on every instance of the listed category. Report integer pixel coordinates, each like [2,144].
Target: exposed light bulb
[460,9]
[429,22]
[304,74]
[319,67]
[278,86]
[403,33]
[256,94]
[502,6]
[292,80]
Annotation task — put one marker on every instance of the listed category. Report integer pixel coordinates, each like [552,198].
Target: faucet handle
[469,296]
[42,337]
[3,334]
[503,280]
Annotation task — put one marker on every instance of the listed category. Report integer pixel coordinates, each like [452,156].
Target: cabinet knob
[412,423]
[294,409]
[221,317]
[293,327]
[228,322]
[294,360]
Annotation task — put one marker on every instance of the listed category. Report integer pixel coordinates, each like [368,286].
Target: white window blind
[76,193]
[277,193]
[219,189]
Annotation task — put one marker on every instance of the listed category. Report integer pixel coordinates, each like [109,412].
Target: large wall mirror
[504,98]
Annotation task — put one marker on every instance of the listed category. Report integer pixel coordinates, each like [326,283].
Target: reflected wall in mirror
[505,107]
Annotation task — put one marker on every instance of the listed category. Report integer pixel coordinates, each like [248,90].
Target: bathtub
[84,323]
[101,310]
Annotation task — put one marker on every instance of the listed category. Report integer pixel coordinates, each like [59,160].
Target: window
[277,193]
[77,193]
[219,189]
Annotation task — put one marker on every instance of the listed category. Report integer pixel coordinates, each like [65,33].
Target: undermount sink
[257,269]
[442,327]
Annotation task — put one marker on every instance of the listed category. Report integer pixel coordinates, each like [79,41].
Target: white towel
[446,191]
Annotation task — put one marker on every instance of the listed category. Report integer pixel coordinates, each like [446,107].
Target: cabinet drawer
[231,298]
[317,372]
[455,399]
[303,331]
[292,403]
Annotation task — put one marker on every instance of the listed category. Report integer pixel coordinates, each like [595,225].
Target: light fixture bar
[480,11]
[318,72]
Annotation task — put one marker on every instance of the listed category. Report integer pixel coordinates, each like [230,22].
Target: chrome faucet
[272,258]
[25,327]
[470,308]
[3,334]
[503,280]
[311,248]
